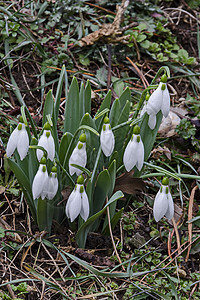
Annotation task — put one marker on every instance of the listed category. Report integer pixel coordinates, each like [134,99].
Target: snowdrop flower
[107,138]
[159,100]
[41,181]
[78,202]
[18,139]
[79,156]
[134,152]
[52,184]
[47,142]
[163,204]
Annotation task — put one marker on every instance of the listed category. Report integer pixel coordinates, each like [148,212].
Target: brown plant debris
[109,33]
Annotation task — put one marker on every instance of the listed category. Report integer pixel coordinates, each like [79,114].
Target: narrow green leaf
[87,97]
[48,107]
[82,100]
[72,113]
[126,95]
[112,173]
[64,144]
[42,217]
[101,191]
[114,113]
[25,185]
[58,93]
[105,104]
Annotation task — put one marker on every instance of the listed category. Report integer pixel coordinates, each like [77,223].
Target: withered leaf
[128,184]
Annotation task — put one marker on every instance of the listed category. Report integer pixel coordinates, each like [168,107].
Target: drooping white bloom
[134,152]
[163,203]
[78,202]
[159,100]
[47,142]
[40,183]
[107,138]
[78,156]
[52,184]
[18,139]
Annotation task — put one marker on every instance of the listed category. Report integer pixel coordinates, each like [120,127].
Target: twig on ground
[191,201]
[112,238]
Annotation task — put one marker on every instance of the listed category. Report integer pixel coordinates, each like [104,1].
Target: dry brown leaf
[128,184]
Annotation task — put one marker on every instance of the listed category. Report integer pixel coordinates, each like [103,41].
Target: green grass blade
[48,107]
[72,113]
[87,97]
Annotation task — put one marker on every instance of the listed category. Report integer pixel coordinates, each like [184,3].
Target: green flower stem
[130,122]
[32,123]
[24,115]
[165,69]
[163,171]
[65,172]
[103,112]
[180,175]
[39,147]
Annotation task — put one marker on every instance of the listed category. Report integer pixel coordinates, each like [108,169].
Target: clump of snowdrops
[90,154]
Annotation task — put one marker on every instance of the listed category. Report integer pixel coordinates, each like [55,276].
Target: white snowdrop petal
[160,205]
[51,147]
[78,157]
[23,142]
[53,186]
[155,101]
[152,121]
[37,185]
[70,199]
[45,185]
[74,207]
[84,206]
[73,160]
[165,103]
[82,156]
[12,142]
[107,140]
[170,211]
[140,155]
[129,158]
